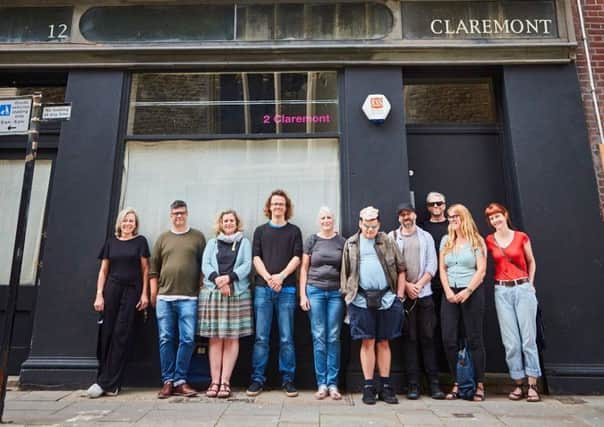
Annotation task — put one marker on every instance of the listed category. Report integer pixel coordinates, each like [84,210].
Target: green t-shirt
[176,261]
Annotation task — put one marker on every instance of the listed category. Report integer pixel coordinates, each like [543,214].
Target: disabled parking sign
[14,115]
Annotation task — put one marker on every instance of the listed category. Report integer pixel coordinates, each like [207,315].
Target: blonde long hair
[467,230]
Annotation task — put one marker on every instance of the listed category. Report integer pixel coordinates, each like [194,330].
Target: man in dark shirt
[276,254]
[437,225]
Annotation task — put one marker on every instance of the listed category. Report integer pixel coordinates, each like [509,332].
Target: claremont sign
[495,19]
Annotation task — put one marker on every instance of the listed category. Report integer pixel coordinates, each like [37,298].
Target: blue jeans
[265,302]
[326,311]
[176,320]
[516,311]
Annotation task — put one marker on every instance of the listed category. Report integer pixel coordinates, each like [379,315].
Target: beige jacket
[388,254]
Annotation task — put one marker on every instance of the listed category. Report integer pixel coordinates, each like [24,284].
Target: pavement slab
[272,408]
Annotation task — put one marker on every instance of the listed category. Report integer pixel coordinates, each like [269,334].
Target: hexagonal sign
[376,107]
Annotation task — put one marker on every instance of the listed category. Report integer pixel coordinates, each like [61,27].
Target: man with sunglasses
[437,225]
[373,285]
[175,279]
[419,254]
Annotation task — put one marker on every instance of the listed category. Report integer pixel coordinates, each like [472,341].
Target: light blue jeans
[176,321]
[265,302]
[326,312]
[516,311]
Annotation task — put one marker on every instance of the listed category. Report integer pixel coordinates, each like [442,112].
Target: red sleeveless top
[504,269]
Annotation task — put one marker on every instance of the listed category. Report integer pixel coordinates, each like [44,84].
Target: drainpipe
[592,87]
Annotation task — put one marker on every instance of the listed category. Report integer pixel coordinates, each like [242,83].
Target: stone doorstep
[13,382]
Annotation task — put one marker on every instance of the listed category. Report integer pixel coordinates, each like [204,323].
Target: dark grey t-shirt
[325,261]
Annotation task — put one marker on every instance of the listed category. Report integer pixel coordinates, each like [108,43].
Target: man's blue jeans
[265,302]
[176,320]
[326,311]
[517,311]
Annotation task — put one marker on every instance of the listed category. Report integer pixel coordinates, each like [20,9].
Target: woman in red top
[515,300]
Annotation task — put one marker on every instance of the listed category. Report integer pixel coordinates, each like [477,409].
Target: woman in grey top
[320,296]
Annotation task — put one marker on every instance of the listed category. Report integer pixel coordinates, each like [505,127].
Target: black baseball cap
[405,206]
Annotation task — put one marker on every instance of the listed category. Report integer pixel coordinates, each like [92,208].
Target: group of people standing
[383,285]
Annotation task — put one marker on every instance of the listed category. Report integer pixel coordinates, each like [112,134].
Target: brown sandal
[514,395]
[479,394]
[225,391]
[454,393]
[534,398]
[213,390]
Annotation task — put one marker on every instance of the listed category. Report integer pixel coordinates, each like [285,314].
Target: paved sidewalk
[140,407]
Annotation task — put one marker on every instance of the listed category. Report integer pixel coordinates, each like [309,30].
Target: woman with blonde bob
[122,288]
[515,300]
[225,300]
[320,296]
[462,269]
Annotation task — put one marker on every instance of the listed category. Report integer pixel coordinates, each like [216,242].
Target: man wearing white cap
[373,285]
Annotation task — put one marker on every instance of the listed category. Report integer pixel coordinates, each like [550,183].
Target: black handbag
[373,297]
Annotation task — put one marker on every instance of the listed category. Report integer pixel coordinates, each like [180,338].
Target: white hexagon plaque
[376,107]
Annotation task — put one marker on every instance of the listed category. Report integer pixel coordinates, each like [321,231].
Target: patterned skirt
[224,317]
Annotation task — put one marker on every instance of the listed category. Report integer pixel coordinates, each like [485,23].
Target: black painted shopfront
[202,118]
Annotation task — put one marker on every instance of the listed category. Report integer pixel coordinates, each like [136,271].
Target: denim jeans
[265,302]
[326,312]
[516,311]
[176,320]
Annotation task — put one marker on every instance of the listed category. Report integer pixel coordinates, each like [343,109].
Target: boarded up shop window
[11,182]
[240,174]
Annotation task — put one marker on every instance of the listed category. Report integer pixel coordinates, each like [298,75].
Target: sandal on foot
[454,393]
[479,394]
[515,395]
[334,393]
[213,390]
[225,391]
[534,398]
[321,392]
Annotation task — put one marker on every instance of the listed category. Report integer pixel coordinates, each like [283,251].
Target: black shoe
[387,395]
[290,389]
[435,391]
[254,389]
[369,395]
[413,391]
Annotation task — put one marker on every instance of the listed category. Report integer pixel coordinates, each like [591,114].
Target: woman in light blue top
[225,301]
[462,269]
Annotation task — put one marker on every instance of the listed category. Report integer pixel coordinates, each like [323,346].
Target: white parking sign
[14,116]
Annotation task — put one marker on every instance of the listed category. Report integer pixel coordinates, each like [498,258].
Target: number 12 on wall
[58,32]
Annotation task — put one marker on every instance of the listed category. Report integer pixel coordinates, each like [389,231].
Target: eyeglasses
[435,204]
[178,213]
[370,227]
[452,217]
[278,204]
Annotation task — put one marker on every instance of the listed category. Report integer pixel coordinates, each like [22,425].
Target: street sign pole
[15,274]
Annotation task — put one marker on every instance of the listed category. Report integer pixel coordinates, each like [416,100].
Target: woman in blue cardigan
[225,300]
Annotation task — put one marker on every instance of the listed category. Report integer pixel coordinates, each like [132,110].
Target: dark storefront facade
[219,103]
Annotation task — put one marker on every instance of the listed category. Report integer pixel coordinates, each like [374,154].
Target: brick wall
[593,14]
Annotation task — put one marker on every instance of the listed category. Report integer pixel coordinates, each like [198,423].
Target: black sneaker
[413,391]
[254,389]
[435,391]
[388,395]
[369,395]
[290,389]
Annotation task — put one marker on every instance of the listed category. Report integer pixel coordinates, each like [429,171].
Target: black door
[466,165]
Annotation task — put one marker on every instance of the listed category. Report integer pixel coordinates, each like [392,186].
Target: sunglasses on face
[452,217]
[435,204]
[370,227]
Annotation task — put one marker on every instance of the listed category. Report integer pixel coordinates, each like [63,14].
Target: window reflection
[233,103]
